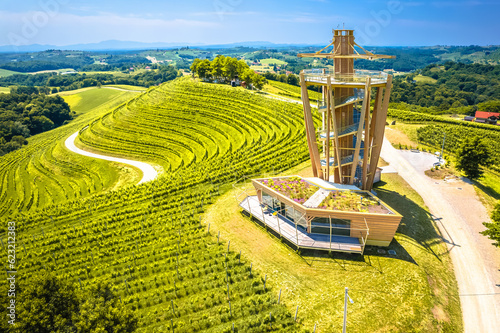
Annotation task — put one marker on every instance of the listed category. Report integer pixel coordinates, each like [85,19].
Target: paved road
[459,215]
[149,173]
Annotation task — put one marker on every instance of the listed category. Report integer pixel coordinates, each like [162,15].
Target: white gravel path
[459,214]
[149,173]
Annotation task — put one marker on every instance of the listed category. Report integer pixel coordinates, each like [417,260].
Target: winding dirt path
[149,173]
[459,214]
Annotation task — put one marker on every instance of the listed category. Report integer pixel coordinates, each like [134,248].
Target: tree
[204,69]
[48,305]
[52,305]
[194,66]
[472,154]
[293,80]
[493,231]
[258,81]
[230,68]
[217,66]
[247,76]
[104,312]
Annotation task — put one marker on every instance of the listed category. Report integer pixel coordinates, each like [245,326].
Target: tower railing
[321,74]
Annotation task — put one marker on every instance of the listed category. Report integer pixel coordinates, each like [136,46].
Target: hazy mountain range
[115,45]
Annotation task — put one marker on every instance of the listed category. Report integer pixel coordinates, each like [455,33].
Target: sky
[191,22]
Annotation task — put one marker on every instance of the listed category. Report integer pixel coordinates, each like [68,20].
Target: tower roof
[345,37]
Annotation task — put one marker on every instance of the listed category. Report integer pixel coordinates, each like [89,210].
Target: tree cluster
[77,81]
[49,304]
[224,69]
[493,227]
[26,112]
[457,85]
[291,79]
[471,156]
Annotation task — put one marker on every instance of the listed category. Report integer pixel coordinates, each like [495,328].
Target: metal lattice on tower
[350,136]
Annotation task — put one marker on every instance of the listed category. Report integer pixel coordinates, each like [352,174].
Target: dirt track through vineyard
[149,173]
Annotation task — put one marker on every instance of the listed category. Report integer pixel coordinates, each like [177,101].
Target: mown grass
[4,90]
[410,292]
[272,61]
[85,100]
[424,79]
[6,72]
[127,87]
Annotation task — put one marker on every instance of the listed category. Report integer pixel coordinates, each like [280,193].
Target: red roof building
[486,115]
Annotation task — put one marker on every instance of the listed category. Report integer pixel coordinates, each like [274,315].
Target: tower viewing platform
[334,210]
[319,76]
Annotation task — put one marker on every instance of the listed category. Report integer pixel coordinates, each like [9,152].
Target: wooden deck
[296,234]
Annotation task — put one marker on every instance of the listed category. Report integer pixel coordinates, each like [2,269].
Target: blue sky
[377,22]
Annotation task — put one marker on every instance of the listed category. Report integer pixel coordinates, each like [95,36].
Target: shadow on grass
[349,261]
[417,223]
[488,190]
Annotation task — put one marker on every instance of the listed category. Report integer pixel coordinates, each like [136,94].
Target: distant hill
[115,45]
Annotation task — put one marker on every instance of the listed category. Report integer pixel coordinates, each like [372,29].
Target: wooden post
[330,219]
[328,115]
[311,135]
[378,135]
[336,128]
[366,105]
[368,144]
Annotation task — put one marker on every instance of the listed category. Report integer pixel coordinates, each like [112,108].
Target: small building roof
[485,115]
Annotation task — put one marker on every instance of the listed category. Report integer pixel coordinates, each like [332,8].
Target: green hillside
[152,242]
[153,248]
[44,172]
[6,72]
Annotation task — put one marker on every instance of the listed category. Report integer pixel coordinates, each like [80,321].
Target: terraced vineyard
[288,90]
[148,239]
[45,173]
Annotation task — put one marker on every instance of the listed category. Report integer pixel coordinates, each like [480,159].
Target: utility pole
[442,148]
[346,296]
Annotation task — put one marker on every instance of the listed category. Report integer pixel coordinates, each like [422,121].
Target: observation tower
[350,137]
[334,210]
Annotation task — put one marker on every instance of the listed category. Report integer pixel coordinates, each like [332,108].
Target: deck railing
[274,219]
[359,76]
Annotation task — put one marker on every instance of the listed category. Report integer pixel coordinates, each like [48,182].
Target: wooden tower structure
[351,137]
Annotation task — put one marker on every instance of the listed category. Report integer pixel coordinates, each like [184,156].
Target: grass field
[408,292]
[261,68]
[85,100]
[127,87]
[272,61]
[5,72]
[424,79]
[4,90]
